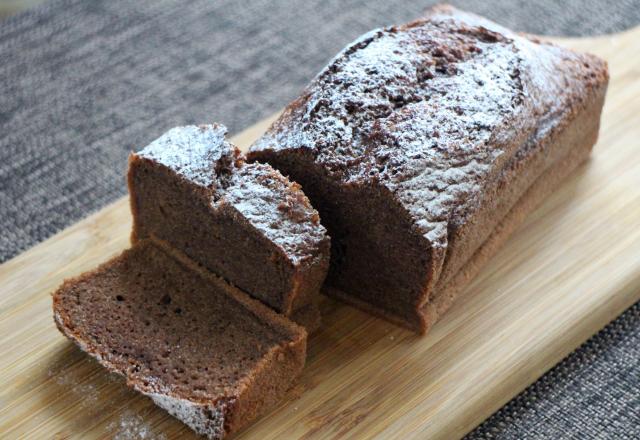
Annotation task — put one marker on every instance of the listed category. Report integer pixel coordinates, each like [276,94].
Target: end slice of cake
[192,190]
[201,349]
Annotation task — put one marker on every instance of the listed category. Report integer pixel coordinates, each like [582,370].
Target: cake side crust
[542,188]
[575,142]
[555,138]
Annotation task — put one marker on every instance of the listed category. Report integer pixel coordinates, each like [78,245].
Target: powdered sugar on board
[130,426]
[86,392]
[100,395]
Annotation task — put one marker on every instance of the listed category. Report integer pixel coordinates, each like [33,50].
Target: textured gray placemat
[83,83]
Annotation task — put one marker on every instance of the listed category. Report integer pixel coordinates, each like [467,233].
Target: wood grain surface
[573,267]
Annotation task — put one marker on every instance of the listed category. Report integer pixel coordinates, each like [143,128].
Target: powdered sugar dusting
[277,208]
[193,152]
[132,427]
[205,419]
[85,391]
[431,110]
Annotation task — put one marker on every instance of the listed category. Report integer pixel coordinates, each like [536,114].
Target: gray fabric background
[83,83]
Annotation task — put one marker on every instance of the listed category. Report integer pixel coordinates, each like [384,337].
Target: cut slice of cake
[200,348]
[416,142]
[192,190]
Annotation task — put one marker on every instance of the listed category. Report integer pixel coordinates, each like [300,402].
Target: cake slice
[201,349]
[416,143]
[192,190]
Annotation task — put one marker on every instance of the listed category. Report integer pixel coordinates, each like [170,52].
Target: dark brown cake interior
[221,241]
[162,324]
[373,250]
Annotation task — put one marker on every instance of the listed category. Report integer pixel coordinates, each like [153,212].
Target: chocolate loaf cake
[192,190]
[424,145]
[200,348]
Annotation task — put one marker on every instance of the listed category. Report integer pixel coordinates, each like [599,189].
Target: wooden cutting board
[573,267]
